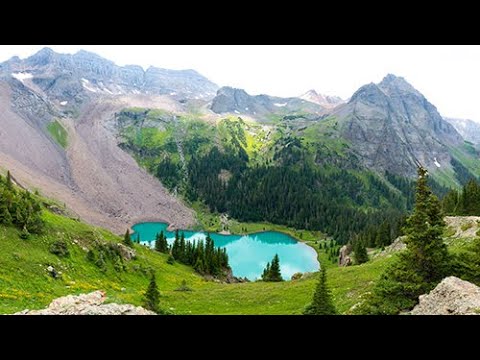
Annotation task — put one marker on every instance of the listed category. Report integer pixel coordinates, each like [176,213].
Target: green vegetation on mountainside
[287,174]
[58,133]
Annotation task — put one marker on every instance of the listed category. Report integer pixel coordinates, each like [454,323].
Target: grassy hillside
[25,282]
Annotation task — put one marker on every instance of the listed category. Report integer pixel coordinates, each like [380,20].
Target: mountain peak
[44,51]
[323,100]
[41,57]
[397,84]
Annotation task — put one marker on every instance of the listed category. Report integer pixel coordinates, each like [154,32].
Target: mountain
[469,129]
[326,101]
[66,78]
[238,101]
[57,134]
[392,126]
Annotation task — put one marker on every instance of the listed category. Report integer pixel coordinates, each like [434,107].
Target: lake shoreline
[251,251]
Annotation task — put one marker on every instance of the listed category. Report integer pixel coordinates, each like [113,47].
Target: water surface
[248,254]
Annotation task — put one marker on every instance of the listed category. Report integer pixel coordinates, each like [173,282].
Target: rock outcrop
[344,258]
[452,296]
[397,245]
[87,304]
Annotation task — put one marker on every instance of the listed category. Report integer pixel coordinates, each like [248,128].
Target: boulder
[343,258]
[296,276]
[452,296]
[87,304]
[126,252]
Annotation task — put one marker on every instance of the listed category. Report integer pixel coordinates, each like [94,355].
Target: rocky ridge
[238,101]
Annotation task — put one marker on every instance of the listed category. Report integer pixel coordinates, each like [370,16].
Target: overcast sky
[449,76]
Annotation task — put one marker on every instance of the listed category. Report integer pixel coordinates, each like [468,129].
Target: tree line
[203,256]
[465,202]
[19,208]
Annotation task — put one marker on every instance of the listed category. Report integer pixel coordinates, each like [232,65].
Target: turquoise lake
[248,254]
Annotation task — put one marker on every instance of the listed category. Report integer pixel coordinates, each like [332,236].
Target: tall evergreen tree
[322,303]
[161,244]
[359,252]
[424,233]
[272,271]
[424,262]
[176,252]
[383,235]
[127,239]
[152,296]
[9,180]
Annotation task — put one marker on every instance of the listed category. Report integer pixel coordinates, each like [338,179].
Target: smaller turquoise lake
[248,254]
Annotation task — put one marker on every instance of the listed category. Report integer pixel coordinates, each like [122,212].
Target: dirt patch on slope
[97,180]
[111,180]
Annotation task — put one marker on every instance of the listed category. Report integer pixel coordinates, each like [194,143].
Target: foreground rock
[452,296]
[344,258]
[87,304]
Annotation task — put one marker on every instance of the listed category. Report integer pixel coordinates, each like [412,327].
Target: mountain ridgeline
[310,162]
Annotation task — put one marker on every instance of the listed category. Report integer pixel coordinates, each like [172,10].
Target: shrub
[59,248]
[183,287]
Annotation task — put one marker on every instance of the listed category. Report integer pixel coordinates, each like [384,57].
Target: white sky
[449,76]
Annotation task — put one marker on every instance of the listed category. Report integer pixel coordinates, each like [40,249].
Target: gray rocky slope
[101,183]
[392,126]
[469,129]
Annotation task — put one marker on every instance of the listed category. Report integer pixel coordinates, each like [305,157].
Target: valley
[89,149]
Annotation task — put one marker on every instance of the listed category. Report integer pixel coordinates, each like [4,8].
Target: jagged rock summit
[393,127]
[83,75]
[87,304]
[452,296]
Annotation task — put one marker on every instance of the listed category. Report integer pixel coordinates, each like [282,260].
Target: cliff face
[84,75]
[392,127]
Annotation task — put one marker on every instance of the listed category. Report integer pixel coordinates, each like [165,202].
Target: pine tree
[359,252]
[424,262]
[176,252]
[127,240]
[161,244]
[5,216]
[383,235]
[182,249]
[9,181]
[266,273]
[450,203]
[272,271]
[322,303]
[152,296]
[424,233]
